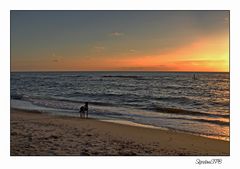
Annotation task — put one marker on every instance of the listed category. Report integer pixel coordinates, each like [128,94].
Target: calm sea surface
[174,101]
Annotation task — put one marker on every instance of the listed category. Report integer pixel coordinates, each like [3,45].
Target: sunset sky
[120,41]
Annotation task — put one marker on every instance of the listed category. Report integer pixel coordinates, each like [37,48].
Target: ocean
[192,102]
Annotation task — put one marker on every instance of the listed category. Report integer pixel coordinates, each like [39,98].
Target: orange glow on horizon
[210,55]
[205,54]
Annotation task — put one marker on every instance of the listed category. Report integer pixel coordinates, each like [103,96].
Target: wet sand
[36,134]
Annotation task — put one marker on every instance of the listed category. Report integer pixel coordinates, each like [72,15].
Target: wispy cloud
[149,68]
[132,50]
[99,48]
[116,34]
[226,19]
[201,62]
[55,58]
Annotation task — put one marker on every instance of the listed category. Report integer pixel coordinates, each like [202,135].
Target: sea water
[192,102]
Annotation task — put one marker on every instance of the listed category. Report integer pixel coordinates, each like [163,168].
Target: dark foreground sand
[41,134]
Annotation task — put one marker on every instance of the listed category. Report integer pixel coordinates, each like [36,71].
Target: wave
[178,99]
[185,112]
[62,102]
[178,87]
[58,101]
[220,103]
[17,96]
[205,134]
[218,122]
[89,102]
[126,77]
[111,96]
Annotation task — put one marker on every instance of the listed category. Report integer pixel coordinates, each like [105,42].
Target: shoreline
[34,133]
[123,122]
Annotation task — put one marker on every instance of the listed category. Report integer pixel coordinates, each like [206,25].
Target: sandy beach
[35,134]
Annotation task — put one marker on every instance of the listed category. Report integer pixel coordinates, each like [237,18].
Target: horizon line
[56,71]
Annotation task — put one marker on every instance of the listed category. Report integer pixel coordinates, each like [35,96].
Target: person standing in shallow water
[84,111]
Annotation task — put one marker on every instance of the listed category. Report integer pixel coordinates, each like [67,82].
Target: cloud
[149,68]
[98,48]
[203,65]
[116,34]
[55,58]
[226,19]
[201,62]
[132,50]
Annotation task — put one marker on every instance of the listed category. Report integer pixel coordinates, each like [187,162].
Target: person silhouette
[81,111]
[84,111]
